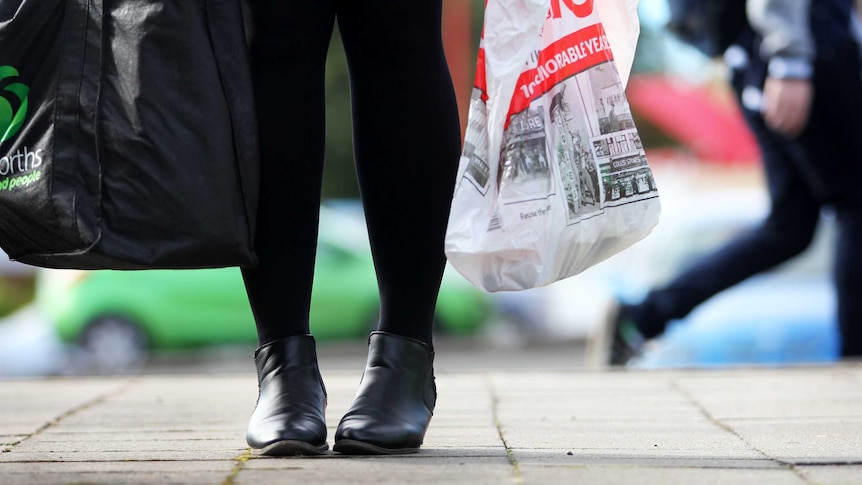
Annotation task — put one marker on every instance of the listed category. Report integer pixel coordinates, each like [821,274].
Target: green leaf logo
[10,120]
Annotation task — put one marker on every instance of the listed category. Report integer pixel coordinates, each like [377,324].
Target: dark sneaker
[616,341]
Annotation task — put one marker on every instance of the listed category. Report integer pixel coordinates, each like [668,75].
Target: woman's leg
[288,55]
[407,144]
[407,141]
[289,40]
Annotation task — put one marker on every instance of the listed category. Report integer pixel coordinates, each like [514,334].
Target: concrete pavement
[505,425]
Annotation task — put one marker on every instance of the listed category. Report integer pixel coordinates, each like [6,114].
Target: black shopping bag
[127,134]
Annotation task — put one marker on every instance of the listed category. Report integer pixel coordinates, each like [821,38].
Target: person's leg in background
[786,232]
[289,41]
[407,144]
[848,280]
[833,144]
[822,166]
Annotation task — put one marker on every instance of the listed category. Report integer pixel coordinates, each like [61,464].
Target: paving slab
[801,440]
[666,439]
[37,403]
[832,474]
[620,475]
[612,457]
[131,472]
[496,426]
[427,468]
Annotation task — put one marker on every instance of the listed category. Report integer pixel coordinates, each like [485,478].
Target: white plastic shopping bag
[553,177]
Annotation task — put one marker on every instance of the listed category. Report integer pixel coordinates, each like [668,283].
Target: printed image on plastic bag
[617,147]
[476,143]
[579,136]
[578,171]
[524,172]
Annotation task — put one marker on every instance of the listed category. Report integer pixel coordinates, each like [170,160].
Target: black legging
[406,147]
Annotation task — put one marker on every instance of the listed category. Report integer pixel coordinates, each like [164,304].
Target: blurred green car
[119,316]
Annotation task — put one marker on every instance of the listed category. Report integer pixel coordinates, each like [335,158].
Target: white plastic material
[620,20]
[553,178]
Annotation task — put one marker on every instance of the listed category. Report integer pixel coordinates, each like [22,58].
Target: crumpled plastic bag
[553,177]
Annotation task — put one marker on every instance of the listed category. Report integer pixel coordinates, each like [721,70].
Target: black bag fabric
[711,26]
[127,134]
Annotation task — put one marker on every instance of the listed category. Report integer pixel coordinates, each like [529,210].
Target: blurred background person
[796,71]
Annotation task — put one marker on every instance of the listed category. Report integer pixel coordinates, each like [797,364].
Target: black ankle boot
[289,416]
[395,401]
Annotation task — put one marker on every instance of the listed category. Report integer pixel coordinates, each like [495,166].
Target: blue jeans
[821,168]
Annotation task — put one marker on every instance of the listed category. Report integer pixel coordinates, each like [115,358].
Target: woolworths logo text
[21,168]
[11,119]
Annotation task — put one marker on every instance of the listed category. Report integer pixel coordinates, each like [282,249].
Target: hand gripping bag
[127,134]
[553,177]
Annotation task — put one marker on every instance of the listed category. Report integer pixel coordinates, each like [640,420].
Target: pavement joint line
[510,454]
[240,463]
[792,467]
[71,412]
[828,463]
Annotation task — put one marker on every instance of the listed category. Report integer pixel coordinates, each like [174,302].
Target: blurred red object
[458,40]
[703,118]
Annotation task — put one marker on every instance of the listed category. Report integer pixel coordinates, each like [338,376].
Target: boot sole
[353,447]
[292,448]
